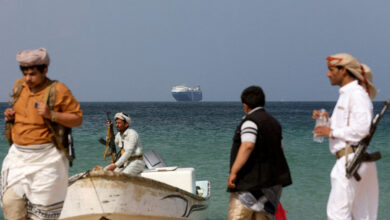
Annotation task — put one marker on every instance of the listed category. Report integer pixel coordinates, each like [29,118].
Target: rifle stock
[360,154]
[110,149]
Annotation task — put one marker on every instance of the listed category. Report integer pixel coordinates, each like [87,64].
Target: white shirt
[351,117]
[131,143]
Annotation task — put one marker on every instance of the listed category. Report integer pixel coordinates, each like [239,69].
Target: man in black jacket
[258,168]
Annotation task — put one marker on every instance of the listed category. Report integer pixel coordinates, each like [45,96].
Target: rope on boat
[85,174]
[97,195]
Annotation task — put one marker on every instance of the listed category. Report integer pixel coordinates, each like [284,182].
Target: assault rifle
[110,149]
[360,154]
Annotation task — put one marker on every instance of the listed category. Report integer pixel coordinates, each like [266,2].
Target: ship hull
[187,96]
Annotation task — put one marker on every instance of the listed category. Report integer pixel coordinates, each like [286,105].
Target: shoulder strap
[50,94]
[14,97]
[16,91]
[49,98]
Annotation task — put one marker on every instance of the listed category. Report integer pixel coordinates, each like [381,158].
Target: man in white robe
[350,122]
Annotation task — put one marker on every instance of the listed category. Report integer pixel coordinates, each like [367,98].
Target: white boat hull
[109,195]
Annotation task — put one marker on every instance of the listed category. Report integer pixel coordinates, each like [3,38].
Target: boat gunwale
[129,178]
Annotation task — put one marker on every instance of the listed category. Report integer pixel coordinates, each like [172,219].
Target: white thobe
[39,172]
[130,142]
[350,122]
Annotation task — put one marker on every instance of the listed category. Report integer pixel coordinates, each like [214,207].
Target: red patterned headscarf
[361,71]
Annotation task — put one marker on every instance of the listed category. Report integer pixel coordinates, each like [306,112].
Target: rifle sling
[14,96]
[55,137]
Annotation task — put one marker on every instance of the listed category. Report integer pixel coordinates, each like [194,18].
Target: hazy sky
[137,50]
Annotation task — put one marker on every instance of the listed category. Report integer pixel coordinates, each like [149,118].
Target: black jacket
[266,166]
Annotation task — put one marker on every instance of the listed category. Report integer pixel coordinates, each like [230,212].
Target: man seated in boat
[131,160]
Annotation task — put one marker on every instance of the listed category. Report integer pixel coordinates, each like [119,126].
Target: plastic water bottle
[321,121]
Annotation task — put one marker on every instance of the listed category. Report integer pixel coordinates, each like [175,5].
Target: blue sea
[200,135]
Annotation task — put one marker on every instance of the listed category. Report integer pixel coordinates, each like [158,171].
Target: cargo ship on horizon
[183,93]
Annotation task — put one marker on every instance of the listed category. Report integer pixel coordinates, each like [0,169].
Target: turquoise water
[199,135]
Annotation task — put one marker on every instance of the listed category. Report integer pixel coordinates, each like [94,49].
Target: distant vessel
[186,94]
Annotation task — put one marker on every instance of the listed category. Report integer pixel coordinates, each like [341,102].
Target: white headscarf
[36,57]
[123,116]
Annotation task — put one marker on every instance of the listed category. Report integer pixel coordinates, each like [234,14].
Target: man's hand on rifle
[9,114]
[109,123]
